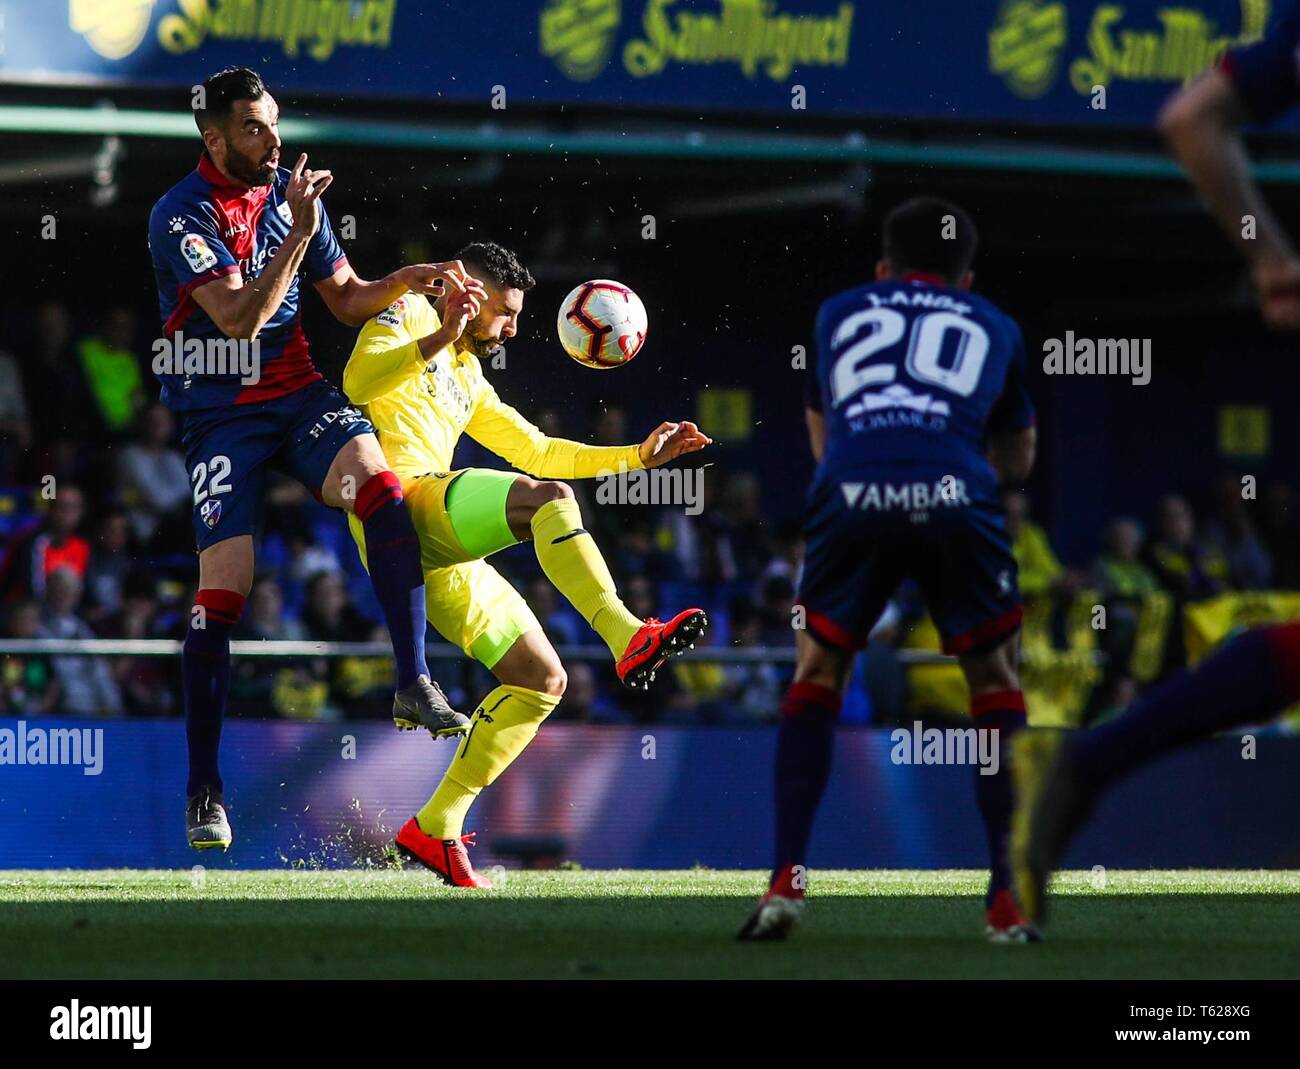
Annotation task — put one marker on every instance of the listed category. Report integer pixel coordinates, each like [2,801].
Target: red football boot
[446,858]
[779,910]
[654,643]
[1005,922]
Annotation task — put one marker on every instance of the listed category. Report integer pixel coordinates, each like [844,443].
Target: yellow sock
[501,727]
[443,815]
[573,563]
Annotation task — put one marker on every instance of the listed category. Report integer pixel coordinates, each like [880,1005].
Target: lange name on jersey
[912,375]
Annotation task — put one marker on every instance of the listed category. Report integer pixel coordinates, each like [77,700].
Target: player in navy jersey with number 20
[918,412]
[228,242]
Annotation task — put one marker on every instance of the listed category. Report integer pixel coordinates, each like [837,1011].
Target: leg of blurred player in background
[998,706]
[1060,775]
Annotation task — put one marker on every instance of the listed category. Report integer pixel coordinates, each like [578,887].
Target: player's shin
[998,715]
[205,672]
[805,741]
[501,728]
[399,580]
[573,563]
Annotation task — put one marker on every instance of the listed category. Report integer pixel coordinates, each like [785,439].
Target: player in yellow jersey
[415,371]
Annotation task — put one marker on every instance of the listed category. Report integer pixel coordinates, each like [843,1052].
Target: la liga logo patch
[197,253]
[210,513]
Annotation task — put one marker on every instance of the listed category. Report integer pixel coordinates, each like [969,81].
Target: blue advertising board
[331,795]
[1081,62]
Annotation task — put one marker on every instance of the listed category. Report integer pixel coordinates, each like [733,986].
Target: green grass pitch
[357,924]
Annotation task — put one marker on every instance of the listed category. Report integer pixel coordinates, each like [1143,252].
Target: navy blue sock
[205,672]
[1004,712]
[393,554]
[1249,681]
[805,742]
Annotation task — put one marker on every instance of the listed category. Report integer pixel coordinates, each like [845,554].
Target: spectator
[1185,569]
[776,612]
[1119,574]
[293,687]
[1041,573]
[146,683]
[27,685]
[742,540]
[86,685]
[752,690]
[15,426]
[328,614]
[264,616]
[52,544]
[561,623]
[151,476]
[58,399]
[582,698]
[1124,583]
[112,371]
[110,563]
[1231,534]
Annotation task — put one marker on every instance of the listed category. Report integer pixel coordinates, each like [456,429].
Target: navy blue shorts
[229,450]
[864,538]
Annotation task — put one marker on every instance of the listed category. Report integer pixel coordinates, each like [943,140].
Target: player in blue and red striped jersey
[228,242]
[918,412]
[1060,776]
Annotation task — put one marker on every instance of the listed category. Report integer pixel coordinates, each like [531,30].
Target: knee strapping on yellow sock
[573,563]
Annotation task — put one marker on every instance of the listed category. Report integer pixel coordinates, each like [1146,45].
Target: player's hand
[670,440]
[303,194]
[1278,283]
[461,307]
[433,280]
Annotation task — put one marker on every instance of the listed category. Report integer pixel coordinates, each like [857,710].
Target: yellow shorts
[468,601]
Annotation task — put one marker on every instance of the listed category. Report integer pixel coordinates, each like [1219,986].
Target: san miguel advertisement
[1037,61]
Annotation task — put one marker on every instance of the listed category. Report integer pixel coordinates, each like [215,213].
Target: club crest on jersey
[197,254]
[210,513]
[284,212]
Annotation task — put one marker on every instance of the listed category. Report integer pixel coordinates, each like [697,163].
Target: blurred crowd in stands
[97,542]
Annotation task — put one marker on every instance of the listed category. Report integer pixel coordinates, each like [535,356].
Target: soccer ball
[602,324]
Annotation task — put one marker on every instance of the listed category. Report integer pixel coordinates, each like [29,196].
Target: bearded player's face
[497,321]
[247,145]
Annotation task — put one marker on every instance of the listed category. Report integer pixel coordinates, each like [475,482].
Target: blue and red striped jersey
[204,228]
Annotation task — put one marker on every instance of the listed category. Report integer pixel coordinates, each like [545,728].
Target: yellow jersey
[421,407]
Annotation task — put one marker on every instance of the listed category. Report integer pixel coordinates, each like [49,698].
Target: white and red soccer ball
[602,323]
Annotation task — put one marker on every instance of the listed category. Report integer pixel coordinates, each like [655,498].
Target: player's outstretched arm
[1202,125]
[353,300]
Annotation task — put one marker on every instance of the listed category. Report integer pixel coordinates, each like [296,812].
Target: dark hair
[499,264]
[930,234]
[221,90]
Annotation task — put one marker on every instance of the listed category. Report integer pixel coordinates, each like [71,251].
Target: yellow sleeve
[387,352]
[503,430]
